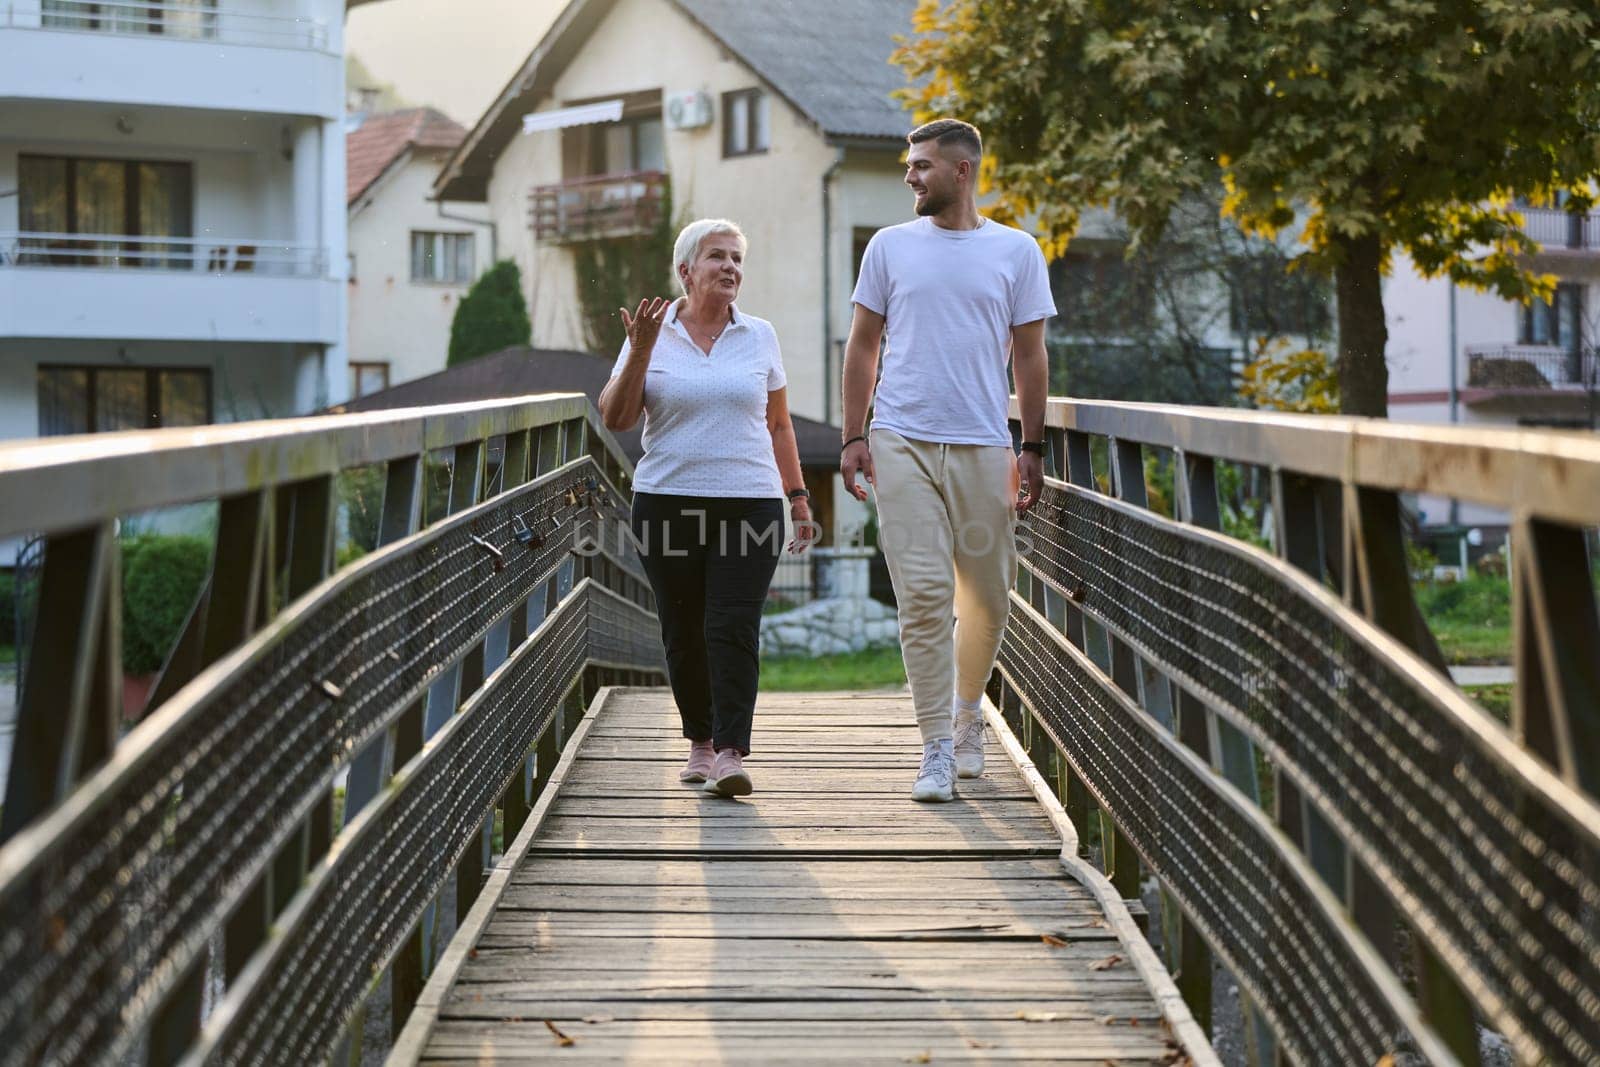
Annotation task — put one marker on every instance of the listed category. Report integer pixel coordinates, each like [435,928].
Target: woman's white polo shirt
[705,416]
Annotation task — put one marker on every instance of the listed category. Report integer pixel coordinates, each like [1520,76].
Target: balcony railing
[1518,367]
[202,20]
[611,205]
[1556,229]
[123,252]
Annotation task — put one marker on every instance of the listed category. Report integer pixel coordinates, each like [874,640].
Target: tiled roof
[376,143]
[830,58]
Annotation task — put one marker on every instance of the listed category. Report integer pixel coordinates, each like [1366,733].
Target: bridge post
[71,699]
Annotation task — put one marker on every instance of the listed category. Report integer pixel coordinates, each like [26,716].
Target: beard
[933,203]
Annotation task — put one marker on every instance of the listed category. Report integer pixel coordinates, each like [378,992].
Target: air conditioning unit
[688,111]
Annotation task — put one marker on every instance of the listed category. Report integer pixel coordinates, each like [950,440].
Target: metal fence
[1382,866]
[186,891]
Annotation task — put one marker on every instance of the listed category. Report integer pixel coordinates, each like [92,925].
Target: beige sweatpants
[947,525]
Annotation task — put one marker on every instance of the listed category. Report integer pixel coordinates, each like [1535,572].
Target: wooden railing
[192,889]
[609,205]
[1384,868]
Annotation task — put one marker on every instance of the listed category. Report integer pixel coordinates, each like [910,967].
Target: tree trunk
[1363,333]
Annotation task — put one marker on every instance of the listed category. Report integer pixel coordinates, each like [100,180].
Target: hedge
[161,577]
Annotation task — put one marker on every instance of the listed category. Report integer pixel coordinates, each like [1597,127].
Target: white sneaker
[936,780]
[969,744]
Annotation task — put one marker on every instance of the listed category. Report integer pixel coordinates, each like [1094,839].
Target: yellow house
[773,113]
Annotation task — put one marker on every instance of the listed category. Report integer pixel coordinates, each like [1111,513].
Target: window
[1558,323]
[746,123]
[441,257]
[1098,294]
[634,143]
[368,378]
[103,399]
[1268,299]
[101,198]
[860,237]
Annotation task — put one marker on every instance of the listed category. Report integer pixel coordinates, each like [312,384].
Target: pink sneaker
[728,777]
[699,765]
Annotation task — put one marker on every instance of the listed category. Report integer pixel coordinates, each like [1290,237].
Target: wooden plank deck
[826,917]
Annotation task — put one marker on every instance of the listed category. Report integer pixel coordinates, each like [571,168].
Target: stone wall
[843,618]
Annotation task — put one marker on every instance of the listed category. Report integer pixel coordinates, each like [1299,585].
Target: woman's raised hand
[644,325]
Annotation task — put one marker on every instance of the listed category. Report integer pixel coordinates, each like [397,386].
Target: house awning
[582,115]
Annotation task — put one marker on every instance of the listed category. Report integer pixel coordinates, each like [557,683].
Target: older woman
[719,461]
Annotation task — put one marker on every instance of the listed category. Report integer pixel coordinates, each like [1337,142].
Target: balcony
[200,54]
[1530,378]
[198,21]
[116,286]
[1562,231]
[591,209]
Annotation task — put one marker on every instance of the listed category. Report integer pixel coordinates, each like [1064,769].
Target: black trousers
[710,561]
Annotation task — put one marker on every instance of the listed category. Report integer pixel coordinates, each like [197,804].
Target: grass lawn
[1495,699]
[1471,618]
[1467,642]
[873,669]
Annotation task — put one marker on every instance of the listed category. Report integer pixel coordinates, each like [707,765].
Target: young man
[957,292]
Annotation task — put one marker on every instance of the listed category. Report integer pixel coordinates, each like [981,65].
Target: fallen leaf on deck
[1041,1016]
[561,1039]
[973,1042]
[1107,1020]
[1107,963]
[1386,1060]
[1052,940]
[921,1057]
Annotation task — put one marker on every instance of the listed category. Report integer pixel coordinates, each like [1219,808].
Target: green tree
[1284,378]
[493,315]
[617,272]
[1367,129]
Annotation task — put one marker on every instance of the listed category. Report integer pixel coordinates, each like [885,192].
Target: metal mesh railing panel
[1500,879]
[109,913]
[622,632]
[377,888]
[1220,863]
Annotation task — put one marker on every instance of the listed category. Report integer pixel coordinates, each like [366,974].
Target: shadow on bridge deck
[827,917]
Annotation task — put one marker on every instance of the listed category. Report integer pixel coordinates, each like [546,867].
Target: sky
[455,55]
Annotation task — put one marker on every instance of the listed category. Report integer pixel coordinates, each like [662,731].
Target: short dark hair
[950,132]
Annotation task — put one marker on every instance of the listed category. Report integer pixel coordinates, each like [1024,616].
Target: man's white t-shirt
[949,299]
[705,416]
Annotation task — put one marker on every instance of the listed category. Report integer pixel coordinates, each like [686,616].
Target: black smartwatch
[1036,447]
[795,494]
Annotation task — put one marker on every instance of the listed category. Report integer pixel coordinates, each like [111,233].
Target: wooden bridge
[423,805]
[827,917]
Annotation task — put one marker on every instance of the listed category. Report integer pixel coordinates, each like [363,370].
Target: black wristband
[795,493]
[1036,447]
[853,440]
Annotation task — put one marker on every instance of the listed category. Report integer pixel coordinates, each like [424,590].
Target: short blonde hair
[687,246]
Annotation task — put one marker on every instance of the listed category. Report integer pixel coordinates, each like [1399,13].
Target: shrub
[493,315]
[161,577]
[8,609]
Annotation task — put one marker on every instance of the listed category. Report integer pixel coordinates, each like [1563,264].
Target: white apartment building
[1461,356]
[172,215]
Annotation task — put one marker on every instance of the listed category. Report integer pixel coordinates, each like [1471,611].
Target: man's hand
[1030,473]
[857,458]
